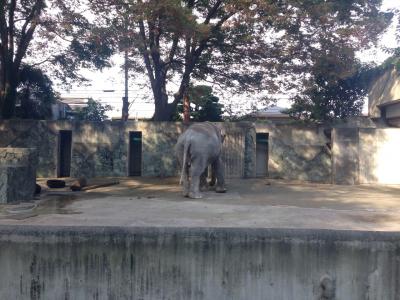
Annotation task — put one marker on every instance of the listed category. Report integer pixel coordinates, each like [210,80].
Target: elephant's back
[203,142]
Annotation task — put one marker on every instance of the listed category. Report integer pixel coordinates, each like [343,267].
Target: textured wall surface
[17,174]
[345,156]
[366,156]
[101,149]
[378,155]
[298,152]
[170,263]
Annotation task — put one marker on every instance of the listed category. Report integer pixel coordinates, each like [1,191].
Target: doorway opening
[262,154]
[64,153]
[135,153]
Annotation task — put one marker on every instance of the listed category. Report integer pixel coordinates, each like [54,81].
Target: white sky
[142,105]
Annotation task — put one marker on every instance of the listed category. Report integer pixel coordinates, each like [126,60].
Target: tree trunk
[186,108]
[8,99]
[163,110]
[9,102]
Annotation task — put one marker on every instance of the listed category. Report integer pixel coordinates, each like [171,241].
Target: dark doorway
[262,154]
[64,159]
[135,153]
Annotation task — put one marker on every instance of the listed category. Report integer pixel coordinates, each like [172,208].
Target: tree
[336,85]
[204,105]
[50,33]
[324,100]
[94,111]
[241,46]
[35,94]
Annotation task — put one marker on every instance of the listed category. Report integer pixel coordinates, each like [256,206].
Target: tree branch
[42,62]
[3,32]
[212,12]
[174,47]
[145,54]
[196,53]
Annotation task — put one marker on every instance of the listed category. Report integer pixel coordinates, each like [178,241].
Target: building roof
[271,112]
[74,102]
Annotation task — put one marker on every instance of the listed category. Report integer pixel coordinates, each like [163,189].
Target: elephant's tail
[186,148]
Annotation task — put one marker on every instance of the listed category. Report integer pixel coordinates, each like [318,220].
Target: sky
[107,86]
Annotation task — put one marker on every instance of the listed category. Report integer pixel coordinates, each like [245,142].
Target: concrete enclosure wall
[102,149]
[298,152]
[345,155]
[366,155]
[156,263]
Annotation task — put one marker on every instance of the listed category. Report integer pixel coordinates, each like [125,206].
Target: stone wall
[300,152]
[17,174]
[101,149]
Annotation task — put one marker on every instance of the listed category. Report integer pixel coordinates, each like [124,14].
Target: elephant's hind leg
[196,170]
[186,182]
[203,181]
[220,174]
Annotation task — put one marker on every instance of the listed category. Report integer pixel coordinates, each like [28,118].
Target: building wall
[101,149]
[385,89]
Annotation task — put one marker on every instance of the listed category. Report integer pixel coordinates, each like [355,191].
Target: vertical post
[125,100]
[186,108]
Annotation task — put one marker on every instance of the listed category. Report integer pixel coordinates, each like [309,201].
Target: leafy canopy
[35,94]
[238,46]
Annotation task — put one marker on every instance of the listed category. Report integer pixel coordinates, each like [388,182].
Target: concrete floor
[255,203]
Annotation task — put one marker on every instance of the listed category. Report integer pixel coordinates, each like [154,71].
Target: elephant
[197,148]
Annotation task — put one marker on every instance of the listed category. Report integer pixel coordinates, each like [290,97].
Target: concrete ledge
[197,263]
[37,233]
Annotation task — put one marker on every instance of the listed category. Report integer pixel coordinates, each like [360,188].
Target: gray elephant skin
[197,148]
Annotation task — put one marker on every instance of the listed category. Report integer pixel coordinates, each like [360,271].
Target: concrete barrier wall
[169,263]
[379,156]
[366,155]
[101,149]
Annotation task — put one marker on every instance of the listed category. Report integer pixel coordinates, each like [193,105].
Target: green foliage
[204,105]
[35,94]
[326,101]
[94,111]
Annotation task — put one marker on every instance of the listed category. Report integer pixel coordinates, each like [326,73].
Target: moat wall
[204,263]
